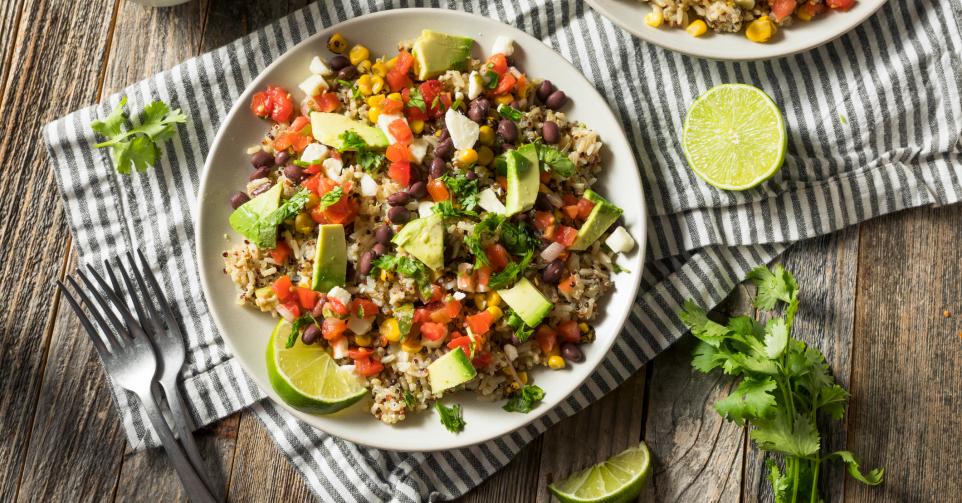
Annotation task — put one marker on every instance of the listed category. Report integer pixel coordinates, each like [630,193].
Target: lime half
[308,378]
[617,480]
[734,136]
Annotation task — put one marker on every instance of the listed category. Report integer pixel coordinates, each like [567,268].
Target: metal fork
[129,359]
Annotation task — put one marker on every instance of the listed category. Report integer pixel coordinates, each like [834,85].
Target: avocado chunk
[451,369]
[527,301]
[438,52]
[523,179]
[247,218]
[330,258]
[328,128]
[601,217]
[424,239]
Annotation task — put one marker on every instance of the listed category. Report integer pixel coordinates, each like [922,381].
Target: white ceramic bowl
[246,331]
[801,36]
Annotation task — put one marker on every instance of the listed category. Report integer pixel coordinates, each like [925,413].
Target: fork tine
[149,306]
[104,306]
[94,310]
[114,297]
[95,337]
[132,292]
[158,292]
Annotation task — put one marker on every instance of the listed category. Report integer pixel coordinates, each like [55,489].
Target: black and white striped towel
[874,120]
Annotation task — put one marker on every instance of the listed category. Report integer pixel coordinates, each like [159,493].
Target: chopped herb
[491,79]
[404,314]
[344,83]
[264,230]
[556,161]
[465,191]
[417,100]
[447,209]
[521,329]
[451,417]
[483,231]
[507,276]
[332,197]
[369,160]
[436,102]
[409,400]
[137,147]
[409,267]
[303,164]
[518,238]
[296,328]
[509,112]
[618,269]
[457,104]
[525,399]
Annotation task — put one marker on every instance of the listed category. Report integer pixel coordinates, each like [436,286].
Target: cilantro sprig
[784,385]
[137,147]
[526,399]
[451,417]
[369,160]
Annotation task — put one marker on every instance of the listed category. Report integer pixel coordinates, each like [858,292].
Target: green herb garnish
[521,329]
[409,400]
[332,197]
[264,230]
[296,328]
[447,209]
[525,399]
[451,417]
[491,79]
[409,267]
[510,274]
[509,112]
[137,147]
[369,160]
[417,100]
[556,161]
[465,191]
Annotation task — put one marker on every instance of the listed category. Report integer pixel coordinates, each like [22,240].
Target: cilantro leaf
[526,399]
[510,113]
[332,197]
[511,273]
[483,231]
[404,314]
[776,337]
[556,161]
[137,147]
[750,400]
[796,436]
[409,400]
[451,417]
[521,329]
[491,79]
[417,100]
[465,190]
[447,209]
[409,267]
[708,331]
[519,239]
[369,160]
[780,481]
[263,232]
[874,476]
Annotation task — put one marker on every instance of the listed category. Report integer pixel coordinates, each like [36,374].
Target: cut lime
[617,480]
[734,136]
[308,378]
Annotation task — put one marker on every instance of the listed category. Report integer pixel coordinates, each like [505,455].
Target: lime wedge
[617,480]
[308,378]
[734,136]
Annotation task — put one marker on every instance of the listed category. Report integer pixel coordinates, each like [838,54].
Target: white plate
[800,36]
[246,331]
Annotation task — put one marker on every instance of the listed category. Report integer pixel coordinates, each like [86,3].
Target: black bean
[550,132]
[418,190]
[262,159]
[556,100]
[379,249]
[294,173]
[445,149]
[383,234]
[282,157]
[507,130]
[572,352]
[471,175]
[338,62]
[438,167]
[517,104]
[444,135]
[505,146]
[365,264]
[262,188]
[399,214]
[260,172]
[478,111]
[542,203]
[237,199]
[399,199]
[545,90]
[349,270]
[520,217]
[318,311]
[415,176]
[552,273]
[347,73]
[311,335]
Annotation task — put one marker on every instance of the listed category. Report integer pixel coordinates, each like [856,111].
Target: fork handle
[196,490]
[184,426]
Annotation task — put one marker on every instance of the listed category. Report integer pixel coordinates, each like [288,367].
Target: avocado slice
[246,219]
[601,217]
[451,369]
[438,52]
[328,128]
[424,239]
[526,300]
[524,179]
[330,258]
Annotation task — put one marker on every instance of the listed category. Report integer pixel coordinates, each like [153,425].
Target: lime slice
[617,480]
[308,378]
[734,136]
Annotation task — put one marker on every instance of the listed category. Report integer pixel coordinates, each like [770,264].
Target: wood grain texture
[45,53]
[261,471]
[907,357]
[10,15]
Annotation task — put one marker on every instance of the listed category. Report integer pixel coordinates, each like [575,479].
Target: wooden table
[873,298]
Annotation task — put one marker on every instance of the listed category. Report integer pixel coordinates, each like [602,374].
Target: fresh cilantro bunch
[137,147]
[784,385]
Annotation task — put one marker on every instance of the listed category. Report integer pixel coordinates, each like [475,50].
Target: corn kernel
[379,68]
[583,327]
[390,63]
[363,340]
[364,84]
[364,66]
[760,30]
[387,275]
[411,344]
[523,376]
[479,301]
[515,386]
[337,44]
[495,312]
[655,18]
[377,83]
[303,223]
[394,96]
[358,53]
[375,100]
[485,156]
[372,115]
[697,28]
[390,330]
[486,135]
[467,157]
[312,201]
[556,362]
[264,293]
[417,125]
[504,99]
[494,299]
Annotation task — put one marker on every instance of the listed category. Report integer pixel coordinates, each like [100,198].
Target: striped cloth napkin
[874,120]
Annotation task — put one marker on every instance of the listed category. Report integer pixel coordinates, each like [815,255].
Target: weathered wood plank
[907,358]
[261,472]
[515,482]
[826,270]
[45,52]
[10,15]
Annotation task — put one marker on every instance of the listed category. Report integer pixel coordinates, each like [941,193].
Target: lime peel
[616,480]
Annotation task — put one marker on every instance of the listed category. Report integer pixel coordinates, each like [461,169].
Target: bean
[282,157]
[478,111]
[445,149]
[383,234]
[418,190]
[311,335]
[337,63]
[507,146]
[399,214]
[349,270]
[237,199]
[379,249]
[294,173]
[438,168]
[542,203]
[507,130]
[545,90]
[262,188]
[260,172]
[572,352]
[444,135]
[365,264]
[471,175]
[550,132]
[415,176]
[347,73]
[556,100]
[318,311]
[518,104]
[262,159]
[552,273]
[399,199]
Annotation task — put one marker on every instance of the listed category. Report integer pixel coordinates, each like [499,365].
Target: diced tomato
[337,307]
[566,285]
[571,211]
[293,310]
[400,172]
[543,220]
[840,4]
[363,308]
[499,63]
[259,105]
[359,353]
[313,169]
[569,331]
[465,282]
[397,80]
[584,208]
[275,103]
[445,99]
[332,328]
[480,323]
[566,235]
[453,308]
[398,152]
[422,314]
[547,338]
[291,139]
[282,288]
[497,256]
[438,191]
[436,293]
[403,62]
[400,131]
[327,102]
[545,176]
[483,275]
[430,89]
[306,297]
[440,316]
[460,341]
[342,212]
[367,367]
[482,359]
[433,331]
[415,114]
[389,106]
[569,199]
[406,95]
[281,252]
[503,182]
[299,123]
[506,84]
[781,9]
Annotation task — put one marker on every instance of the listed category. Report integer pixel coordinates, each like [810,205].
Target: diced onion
[488,200]
[552,251]
[620,241]
[286,313]
[368,186]
[359,326]
[339,346]
[554,200]
[342,295]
